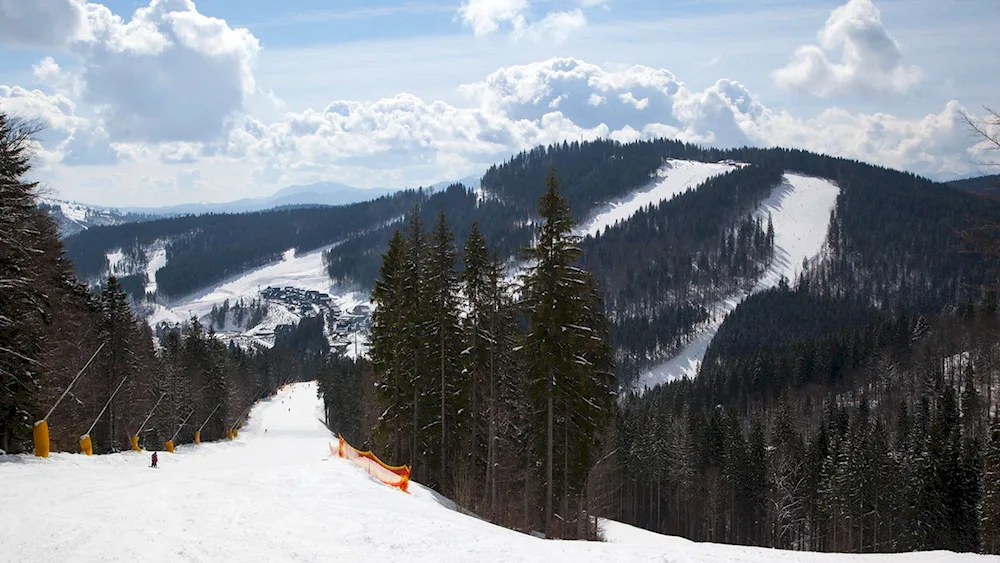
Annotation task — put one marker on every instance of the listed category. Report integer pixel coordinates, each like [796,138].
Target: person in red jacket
[154,460]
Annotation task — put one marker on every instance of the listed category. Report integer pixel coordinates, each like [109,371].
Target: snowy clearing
[156,260]
[305,271]
[800,209]
[673,179]
[279,496]
[115,262]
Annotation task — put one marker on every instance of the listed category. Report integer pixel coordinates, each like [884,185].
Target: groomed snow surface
[800,210]
[673,178]
[279,496]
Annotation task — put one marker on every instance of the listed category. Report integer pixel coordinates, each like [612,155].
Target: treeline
[242,314]
[205,249]
[664,268]
[357,260]
[51,326]
[892,235]
[496,403]
[882,437]
[593,173]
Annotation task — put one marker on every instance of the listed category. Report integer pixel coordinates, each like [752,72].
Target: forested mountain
[54,331]
[881,436]
[980,184]
[205,249]
[72,217]
[891,239]
[847,410]
[853,408]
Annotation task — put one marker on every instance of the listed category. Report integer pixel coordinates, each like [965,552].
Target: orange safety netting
[394,476]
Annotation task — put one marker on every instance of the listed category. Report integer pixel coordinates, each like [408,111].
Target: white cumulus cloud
[40,23]
[555,27]
[168,74]
[67,138]
[870,59]
[406,140]
[403,138]
[486,16]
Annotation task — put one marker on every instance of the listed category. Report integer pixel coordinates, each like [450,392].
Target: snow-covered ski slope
[800,209]
[305,271]
[279,496]
[672,179]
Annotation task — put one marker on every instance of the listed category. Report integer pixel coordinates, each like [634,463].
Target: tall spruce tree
[478,339]
[566,354]
[444,338]
[120,362]
[388,351]
[416,311]
[23,307]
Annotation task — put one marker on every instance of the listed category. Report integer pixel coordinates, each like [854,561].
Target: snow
[694,552]
[73,212]
[305,271]
[115,260]
[673,179]
[162,314]
[156,259]
[800,210]
[279,496]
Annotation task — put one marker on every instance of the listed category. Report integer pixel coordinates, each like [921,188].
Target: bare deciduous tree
[986,131]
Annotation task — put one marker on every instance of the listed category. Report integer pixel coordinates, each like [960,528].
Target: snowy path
[278,496]
[800,209]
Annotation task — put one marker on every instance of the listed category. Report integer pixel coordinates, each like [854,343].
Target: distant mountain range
[320,193]
[74,217]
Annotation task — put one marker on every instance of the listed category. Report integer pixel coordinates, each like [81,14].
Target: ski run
[800,209]
[672,179]
[276,494]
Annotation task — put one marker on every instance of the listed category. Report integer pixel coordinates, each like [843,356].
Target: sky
[161,102]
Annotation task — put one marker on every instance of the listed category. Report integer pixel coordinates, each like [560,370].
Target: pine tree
[507,428]
[478,339]
[387,351]
[444,337]
[414,354]
[119,363]
[566,354]
[23,307]
[989,504]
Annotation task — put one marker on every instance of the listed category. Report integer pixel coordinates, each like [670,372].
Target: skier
[154,460]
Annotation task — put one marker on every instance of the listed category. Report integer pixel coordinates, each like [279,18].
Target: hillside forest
[852,409]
